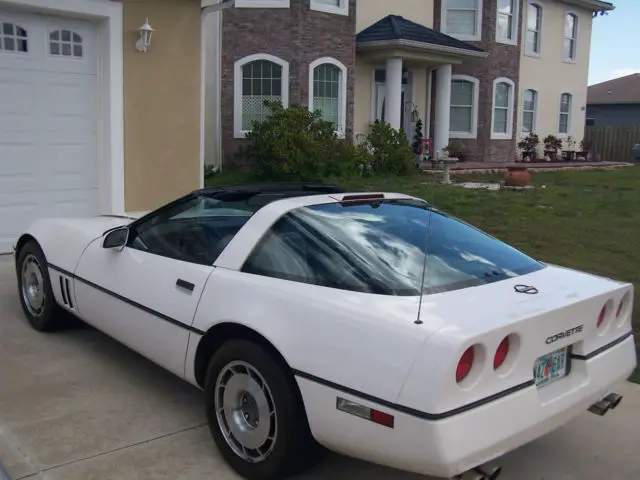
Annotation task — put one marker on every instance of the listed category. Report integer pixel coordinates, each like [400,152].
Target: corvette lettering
[565,334]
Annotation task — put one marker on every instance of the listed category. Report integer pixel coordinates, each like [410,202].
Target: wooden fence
[612,143]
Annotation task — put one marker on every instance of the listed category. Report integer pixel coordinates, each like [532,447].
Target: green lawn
[589,220]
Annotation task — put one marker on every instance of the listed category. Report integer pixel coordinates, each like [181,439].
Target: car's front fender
[63,240]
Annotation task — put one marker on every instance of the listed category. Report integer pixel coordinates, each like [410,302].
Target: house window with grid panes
[13,38]
[501,108]
[326,92]
[506,30]
[462,17]
[261,81]
[534,24]
[565,113]
[529,102]
[462,102]
[570,31]
[65,43]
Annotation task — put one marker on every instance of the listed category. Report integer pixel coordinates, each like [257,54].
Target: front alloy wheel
[34,288]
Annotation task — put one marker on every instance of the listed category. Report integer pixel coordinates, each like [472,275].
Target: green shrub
[390,150]
[296,144]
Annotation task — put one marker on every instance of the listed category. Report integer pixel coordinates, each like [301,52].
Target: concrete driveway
[76,405]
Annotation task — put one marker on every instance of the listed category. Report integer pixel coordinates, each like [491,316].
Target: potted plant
[417,142]
[517,176]
[528,146]
[569,155]
[585,146]
[551,146]
[455,149]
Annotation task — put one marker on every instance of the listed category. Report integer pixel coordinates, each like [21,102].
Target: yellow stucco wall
[369,12]
[550,76]
[161,102]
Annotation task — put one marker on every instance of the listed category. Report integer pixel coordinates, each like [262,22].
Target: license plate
[550,367]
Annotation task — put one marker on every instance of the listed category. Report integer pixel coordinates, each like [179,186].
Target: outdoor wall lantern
[145,37]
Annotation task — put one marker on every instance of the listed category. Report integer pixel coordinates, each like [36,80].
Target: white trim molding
[474,107]
[528,51]
[108,15]
[569,114]
[342,93]
[238,132]
[536,102]
[322,6]
[576,28]
[510,101]
[262,3]
[515,17]
[478,25]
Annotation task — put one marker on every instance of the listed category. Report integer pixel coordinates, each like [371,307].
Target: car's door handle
[184,284]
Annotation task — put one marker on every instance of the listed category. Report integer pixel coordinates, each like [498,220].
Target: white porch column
[394,91]
[443,108]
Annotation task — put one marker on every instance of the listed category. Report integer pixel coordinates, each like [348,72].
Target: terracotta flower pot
[517,176]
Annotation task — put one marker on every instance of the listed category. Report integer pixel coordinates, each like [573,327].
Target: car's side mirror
[116,239]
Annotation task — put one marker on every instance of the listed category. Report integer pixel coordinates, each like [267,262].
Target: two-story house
[483,72]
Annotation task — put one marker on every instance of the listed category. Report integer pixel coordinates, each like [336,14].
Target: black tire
[294,449]
[49,317]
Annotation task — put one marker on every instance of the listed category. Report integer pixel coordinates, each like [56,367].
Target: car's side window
[194,231]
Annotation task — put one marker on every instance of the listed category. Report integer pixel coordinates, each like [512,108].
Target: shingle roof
[395,27]
[619,90]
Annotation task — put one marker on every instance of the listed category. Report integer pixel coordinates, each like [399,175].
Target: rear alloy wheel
[255,414]
[34,288]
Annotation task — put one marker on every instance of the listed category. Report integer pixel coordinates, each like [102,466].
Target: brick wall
[503,61]
[299,36]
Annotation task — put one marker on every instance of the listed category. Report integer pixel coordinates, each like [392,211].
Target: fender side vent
[65,291]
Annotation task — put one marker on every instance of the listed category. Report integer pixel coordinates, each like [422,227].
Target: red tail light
[603,312]
[464,365]
[501,353]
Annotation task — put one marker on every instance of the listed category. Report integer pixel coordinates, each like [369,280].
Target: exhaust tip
[614,399]
[601,407]
[483,472]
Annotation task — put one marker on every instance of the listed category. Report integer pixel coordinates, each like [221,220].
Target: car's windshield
[380,248]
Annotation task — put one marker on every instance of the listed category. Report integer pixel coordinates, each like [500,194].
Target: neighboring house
[615,102]
[88,124]
[480,74]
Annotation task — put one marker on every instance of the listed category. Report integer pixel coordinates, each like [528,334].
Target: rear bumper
[455,444]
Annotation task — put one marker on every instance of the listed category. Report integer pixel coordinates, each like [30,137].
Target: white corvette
[371,324]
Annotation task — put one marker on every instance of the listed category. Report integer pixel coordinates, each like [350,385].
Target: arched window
[502,118]
[565,113]
[258,78]
[65,43]
[13,38]
[463,118]
[529,111]
[328,91]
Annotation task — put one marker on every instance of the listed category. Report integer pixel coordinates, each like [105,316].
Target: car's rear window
[380,248]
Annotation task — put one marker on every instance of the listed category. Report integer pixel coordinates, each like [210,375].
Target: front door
[146,295]
[406,102]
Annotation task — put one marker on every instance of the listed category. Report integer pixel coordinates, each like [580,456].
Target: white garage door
[48,121]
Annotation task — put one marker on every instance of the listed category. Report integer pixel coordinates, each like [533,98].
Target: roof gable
[395,27]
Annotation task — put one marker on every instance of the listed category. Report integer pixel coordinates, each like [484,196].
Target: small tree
[295,143]
[390,148]
[417,138]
